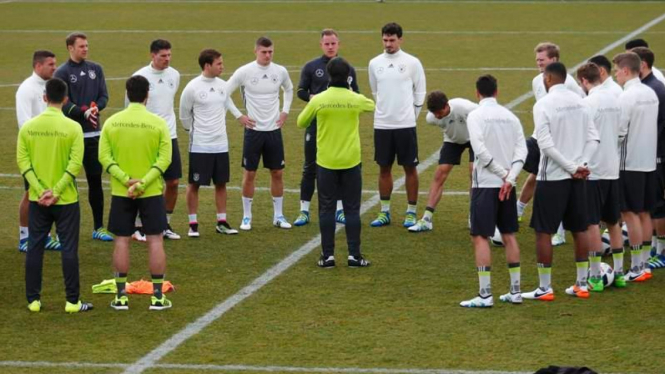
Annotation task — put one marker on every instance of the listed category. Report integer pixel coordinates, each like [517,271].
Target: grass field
[401,314]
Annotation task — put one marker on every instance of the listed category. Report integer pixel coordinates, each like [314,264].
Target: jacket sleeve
[354,81]
[106,158]
[367,104]
[482,153]
[73,165]
[519,153]
[287,86]
[163,158]
[419,88]
[545,142]
[186,107]
[307,115]
[25,165]
[304,83]
[102,92]
[23,107]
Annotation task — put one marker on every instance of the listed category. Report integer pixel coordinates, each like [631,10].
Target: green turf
[400,313]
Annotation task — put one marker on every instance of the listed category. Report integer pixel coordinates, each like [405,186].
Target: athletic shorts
[402,143]
[266,144]
[487,212]
[204,167]
[451,153]
[659,207]
[174,171]
[91,157]
[603,201]
[123,213]
[560,201]
[638,191]
[532,157]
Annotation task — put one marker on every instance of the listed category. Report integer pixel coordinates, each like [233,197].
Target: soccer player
[605,70]
[203,106]
[397,81]
[49,155]
[451,116]
[546,53]
[87,97]
[164,82]
[498,140]
[30,103]
[314,79]
[261,81]
[135,148]
[635,43]
[603,185]
[336,111]
[567,139]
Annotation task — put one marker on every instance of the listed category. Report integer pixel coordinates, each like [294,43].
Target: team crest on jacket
[92,74]
[401,68]
[170,83]
[73,78]
[152,87]
[379,70]
[319,73]
[273,78]
[203,95]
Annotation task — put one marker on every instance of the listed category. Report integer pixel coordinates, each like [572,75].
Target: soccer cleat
[139,236]
[596,284]
[53,244]
[102,234]
[170,234]
[421,226]
[539,294]
[326,262]
[410,219]
[647,273]
[23,245]
[581,292]
[512,298]
[120,303]
[35,306]
[302,220]
[657,262]
[78,307]
[193,230]
[519,219]
[496,239]
[635,276]
[339,217]
[558,239]
[619,281]
[383,219]
[281,222]
[224,228]
[478,302]
[246,224]
[357,262]
[159,304]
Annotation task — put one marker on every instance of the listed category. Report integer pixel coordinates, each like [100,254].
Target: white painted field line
[456,2]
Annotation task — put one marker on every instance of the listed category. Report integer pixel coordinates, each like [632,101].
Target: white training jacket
[606,115]
[30,98]
[163,87]
[454,125]
[638,127]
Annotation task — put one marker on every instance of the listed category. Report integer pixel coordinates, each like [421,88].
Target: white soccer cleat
[170,234]
[478,302]
[539,294]
[421,226]
[558,239]
[139,236]
[281,222]
[512,298]
[246,224]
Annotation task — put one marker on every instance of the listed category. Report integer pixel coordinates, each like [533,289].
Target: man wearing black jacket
[87,97]
[314,80]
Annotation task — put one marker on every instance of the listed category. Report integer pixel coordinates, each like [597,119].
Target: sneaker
[139,236]
[170,234]
[160,304]
[224,228]
[102,234]
[539,294]
[635,276]
[246,224]
[657,262]
[596,284]
[410,219]
[193,230]
[581,292]
[619,280]
[421,226]
[120,303]
[281,222]
[35,306]
[23,245]
[302,220]
[357,262]
[78,307]
[512,298]
[478,302]
[53,244]
[558,239]
[383,219]
[326,262]
[339,217]
[647,273]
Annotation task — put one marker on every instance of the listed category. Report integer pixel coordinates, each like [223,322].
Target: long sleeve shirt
[398,85]
[638,127]
[163,87]
[612,86]
[454,125]
[30,98]
[606,114]
[659,88]
[203,106]
[498,142]
[49,155]
[539,90]
[314,78]
[260,87]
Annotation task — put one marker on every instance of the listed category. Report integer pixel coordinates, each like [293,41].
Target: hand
[132,182]
[504,192]
[133,192]
[47,199]
[282,119]
[582,172]
[92,115]
[247,122]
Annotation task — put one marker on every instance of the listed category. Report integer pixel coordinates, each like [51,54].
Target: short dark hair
[158,45]
[436,100]
[137,89]
[40,56]
[590,72]
[392,28]
[263,42]
[486,85]
[557,70]
[628,59]
[646,55]
[71,38]
[602,62]
[207,56]
[636,43]
[56,90]
[339,71]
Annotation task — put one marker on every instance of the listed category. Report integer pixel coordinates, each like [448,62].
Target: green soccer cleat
[35,306]
[595,284]
[120,303]
[410,219]
[160,304]
[421,226]
[340,217]
[78,307]
[302,220]
[619,281]
[102,234]
[383,219]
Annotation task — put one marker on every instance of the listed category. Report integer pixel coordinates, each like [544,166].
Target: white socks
[247,207]
[277,205]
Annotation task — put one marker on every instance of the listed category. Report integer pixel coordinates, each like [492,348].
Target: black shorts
[174,171]
[400,142]
[560,201]
[532,157]
[603,201]
[91,157]
[266,144]
[659,207]
[487,212]
[124,210]
[204,167]
[451,153]
[638,191]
